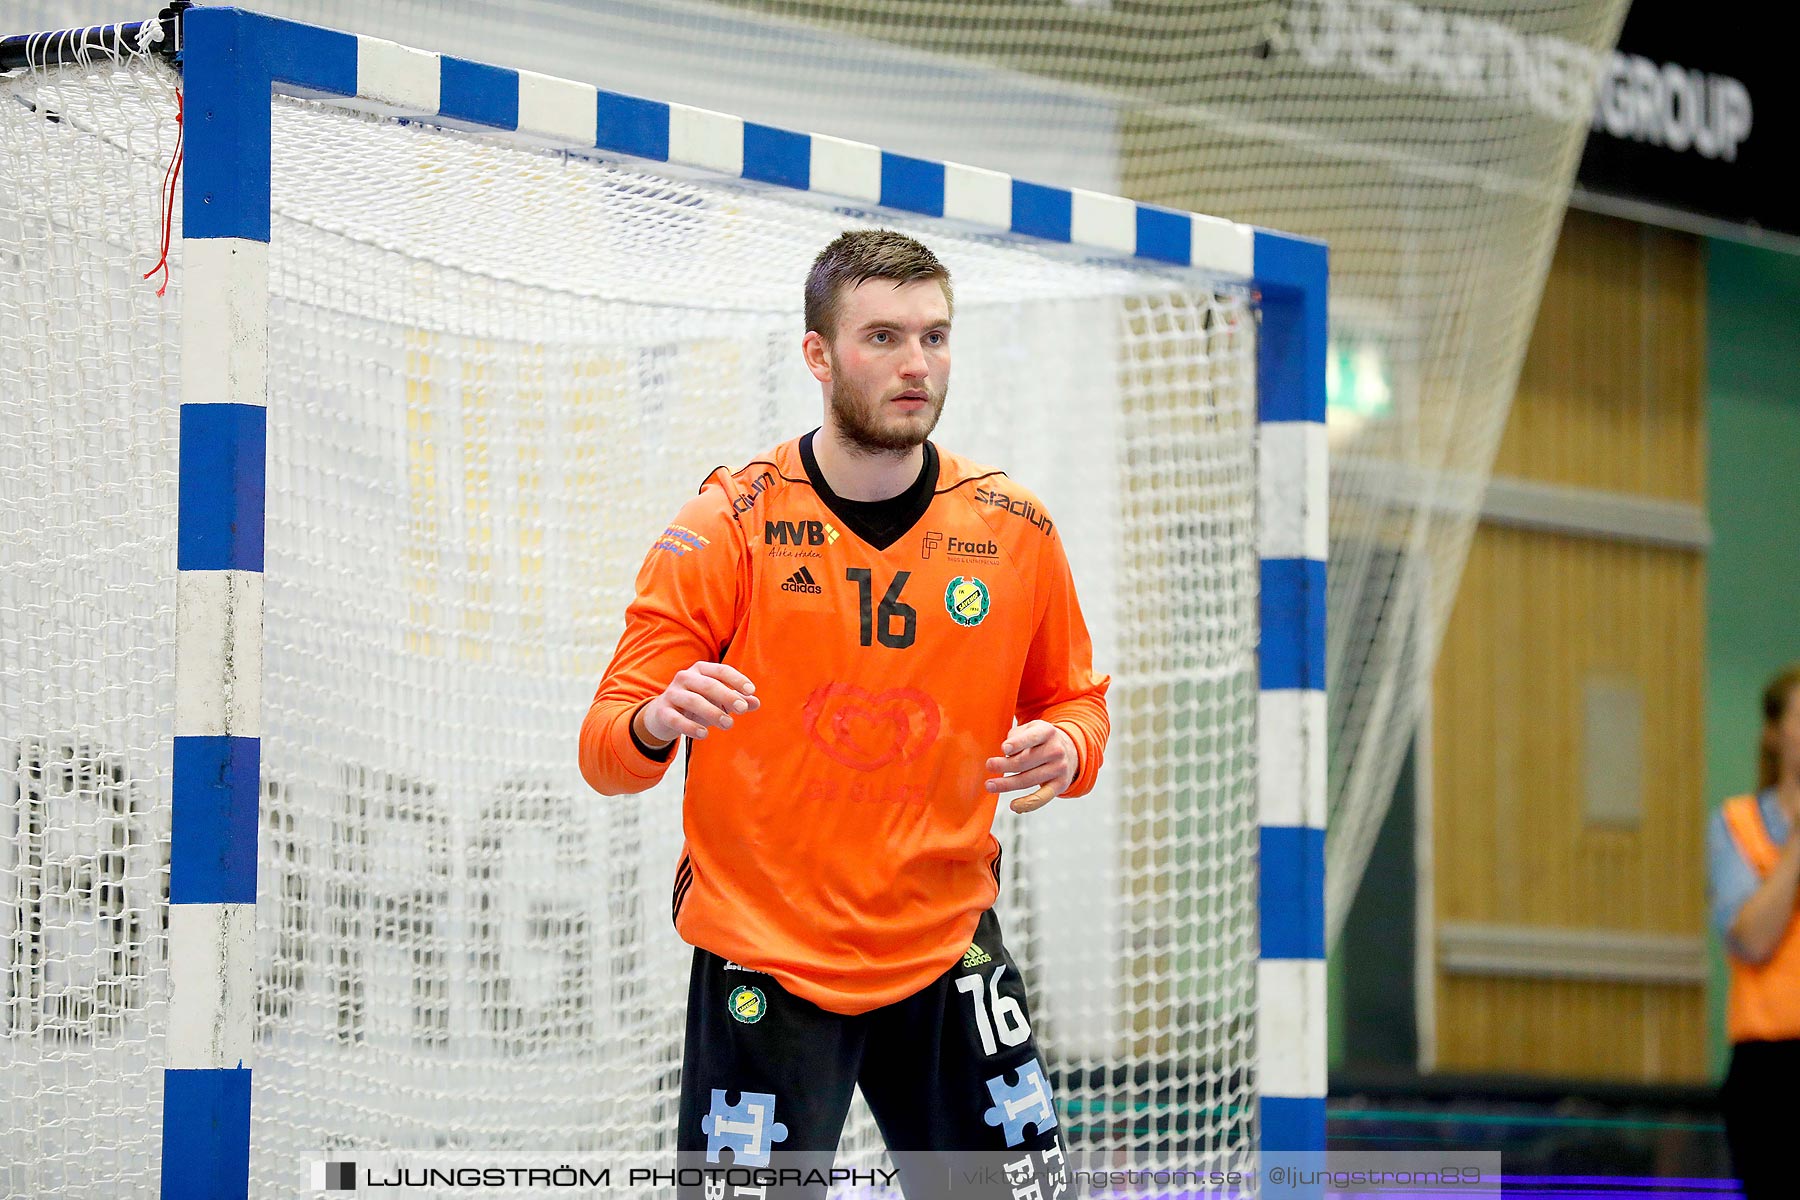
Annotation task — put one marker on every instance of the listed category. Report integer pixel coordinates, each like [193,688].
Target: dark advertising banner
[1694,114]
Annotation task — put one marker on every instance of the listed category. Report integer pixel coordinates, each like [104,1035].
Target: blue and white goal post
[1174,290]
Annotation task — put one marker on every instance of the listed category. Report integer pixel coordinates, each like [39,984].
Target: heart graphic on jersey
[868,730]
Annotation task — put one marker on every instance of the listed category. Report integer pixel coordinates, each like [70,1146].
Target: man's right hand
[700,697]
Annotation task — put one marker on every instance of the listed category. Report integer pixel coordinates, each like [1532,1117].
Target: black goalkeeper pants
[954,1069]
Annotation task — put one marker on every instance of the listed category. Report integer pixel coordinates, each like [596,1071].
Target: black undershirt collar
[880,523]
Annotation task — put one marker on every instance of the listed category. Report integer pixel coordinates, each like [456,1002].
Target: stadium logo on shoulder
[747,1005]
[802,581]
[966,600]
[747,501]
[1018,506]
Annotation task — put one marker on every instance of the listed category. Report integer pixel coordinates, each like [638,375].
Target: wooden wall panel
[1573,1029]
[1610,401]
[1536,617]
[1609,395]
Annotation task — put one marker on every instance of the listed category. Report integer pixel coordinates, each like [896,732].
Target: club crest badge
[747,1004]
[966,600]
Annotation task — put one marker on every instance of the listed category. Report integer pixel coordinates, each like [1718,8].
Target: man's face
[890,363]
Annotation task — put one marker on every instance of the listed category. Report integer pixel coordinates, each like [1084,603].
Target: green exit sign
[1359,385]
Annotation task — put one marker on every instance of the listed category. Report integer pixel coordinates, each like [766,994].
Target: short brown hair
[859,254]
[1775,700]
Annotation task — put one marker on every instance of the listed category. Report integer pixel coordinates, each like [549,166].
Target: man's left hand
[1037,755]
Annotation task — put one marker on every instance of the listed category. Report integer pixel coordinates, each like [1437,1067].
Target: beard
[865,425]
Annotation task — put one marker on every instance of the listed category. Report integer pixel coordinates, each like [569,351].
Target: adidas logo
[802,581]
[974,956]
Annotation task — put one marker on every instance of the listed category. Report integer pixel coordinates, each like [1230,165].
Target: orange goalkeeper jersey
[838,838]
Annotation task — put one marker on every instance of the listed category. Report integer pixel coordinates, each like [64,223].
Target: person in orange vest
[1753,851]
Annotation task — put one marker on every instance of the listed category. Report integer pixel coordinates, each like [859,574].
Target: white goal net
[494,374]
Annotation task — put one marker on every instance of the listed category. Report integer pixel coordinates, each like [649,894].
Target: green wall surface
[1753,500]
